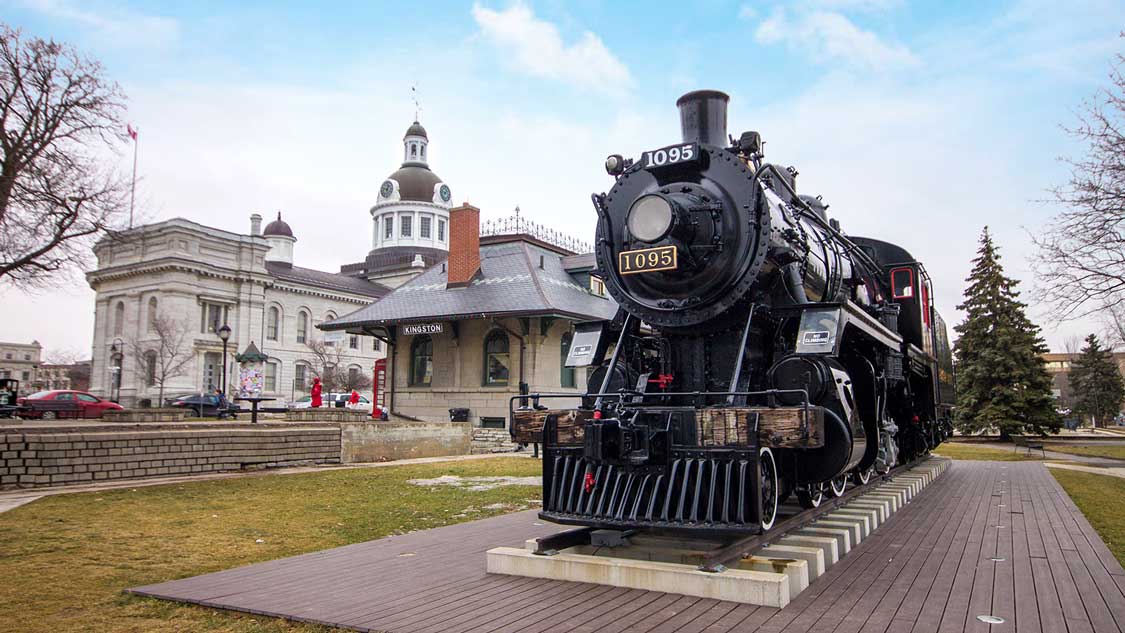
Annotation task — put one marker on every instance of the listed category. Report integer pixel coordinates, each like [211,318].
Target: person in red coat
[354,398]
[316,388]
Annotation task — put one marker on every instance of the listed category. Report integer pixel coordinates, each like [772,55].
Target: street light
[224,334]
[116,356]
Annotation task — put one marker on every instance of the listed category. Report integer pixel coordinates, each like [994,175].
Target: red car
[52,405]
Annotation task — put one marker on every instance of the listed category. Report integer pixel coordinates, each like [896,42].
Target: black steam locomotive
[758,352]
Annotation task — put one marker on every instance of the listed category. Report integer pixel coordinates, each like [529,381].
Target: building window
[353,341]
[151,314]
[353,377]
[270,377]
[376,346]
[119,319]
[273,316]
[25,376]
[421,361]
[7,356]
[214,317]
[496,359]
[150,368]
[406,223]
[566,374]
[27,356]
[441,230]
[300,378]
[424,227]
[597,286]
[388,227]
[302,326]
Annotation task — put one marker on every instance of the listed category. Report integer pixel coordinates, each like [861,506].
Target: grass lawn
[65,559]
[1112,452]
[1102,499]
[978,452]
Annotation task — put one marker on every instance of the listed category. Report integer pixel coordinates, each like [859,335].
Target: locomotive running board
[766,570]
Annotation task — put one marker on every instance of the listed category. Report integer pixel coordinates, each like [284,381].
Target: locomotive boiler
[759,352]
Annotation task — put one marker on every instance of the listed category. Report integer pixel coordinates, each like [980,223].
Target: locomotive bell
[703,117]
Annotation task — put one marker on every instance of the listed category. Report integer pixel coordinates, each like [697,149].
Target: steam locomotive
[758,352]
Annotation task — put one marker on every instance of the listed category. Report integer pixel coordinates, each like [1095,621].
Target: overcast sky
[919,123]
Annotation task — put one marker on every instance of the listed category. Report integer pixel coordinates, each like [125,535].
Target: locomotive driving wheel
[768,484]
[861,477]
[837,485]
[810,495]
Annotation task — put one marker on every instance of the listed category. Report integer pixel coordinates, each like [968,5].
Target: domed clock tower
[410,219]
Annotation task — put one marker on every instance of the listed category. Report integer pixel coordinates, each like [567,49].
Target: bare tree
[1081,258]
[62,127]
[329,364]
[164,353]
[1113,318]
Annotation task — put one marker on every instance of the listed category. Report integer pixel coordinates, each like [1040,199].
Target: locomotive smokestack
[703,117]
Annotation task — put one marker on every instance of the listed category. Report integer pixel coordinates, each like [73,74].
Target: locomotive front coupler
[626,441]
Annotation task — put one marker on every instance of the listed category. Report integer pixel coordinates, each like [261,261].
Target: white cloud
[747,12]
[111,25]
[537,47]
[829,36]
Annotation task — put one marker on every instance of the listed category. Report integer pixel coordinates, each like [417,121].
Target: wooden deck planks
[927,569]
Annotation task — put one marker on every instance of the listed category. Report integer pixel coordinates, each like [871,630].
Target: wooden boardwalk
[986,538]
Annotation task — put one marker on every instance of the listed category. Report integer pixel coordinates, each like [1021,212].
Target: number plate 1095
[647,260]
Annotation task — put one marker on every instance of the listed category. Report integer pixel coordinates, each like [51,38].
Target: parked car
[204,406]
[55,404]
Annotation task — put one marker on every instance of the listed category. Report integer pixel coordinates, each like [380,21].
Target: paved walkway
[10,499]
[986,539]
[1115,471]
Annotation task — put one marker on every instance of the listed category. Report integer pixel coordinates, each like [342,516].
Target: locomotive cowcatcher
[759,352]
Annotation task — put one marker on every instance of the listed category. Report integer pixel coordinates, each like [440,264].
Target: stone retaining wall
[492,441]
[384,441]
[31,457]
[145,415]
[326,414]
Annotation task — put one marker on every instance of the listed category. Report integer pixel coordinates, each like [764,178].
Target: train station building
[498,315]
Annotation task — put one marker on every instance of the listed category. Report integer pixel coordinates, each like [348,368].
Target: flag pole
[133,188]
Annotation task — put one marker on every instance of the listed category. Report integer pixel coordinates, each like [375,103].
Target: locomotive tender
[758,352]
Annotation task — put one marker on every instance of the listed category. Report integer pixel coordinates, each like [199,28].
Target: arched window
[119,319]
[421,361]
[150,368]
[301,376]
[151,314]
[270,376]
[566,374]
[496,359]
[302,326]
[273,317]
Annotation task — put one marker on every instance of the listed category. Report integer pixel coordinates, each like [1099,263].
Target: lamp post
[224,334]
[116,356]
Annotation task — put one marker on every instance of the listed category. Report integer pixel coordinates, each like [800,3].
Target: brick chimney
[255,224]
[464,245]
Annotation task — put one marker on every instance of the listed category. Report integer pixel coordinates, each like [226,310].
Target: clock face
[445,194]
[387,189]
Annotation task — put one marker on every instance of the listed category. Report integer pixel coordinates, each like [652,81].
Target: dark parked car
[51,405]
[205,406]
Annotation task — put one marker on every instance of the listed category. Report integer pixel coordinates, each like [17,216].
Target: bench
[1028,443]
[52,409]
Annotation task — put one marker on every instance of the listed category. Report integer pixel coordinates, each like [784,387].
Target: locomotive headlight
[649,218]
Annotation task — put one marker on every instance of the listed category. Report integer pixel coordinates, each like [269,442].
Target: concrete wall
[50,456]
[385,441]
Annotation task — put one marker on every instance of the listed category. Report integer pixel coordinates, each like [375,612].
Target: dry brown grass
[65,559]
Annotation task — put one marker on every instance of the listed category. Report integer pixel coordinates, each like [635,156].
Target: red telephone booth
[379,384]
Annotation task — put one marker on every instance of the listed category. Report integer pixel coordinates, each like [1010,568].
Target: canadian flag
[131,131]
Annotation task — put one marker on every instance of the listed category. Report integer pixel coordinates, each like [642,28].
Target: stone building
[497,315]
[205,277]
[69,376]
[21,361]
[202,278]
[1058,365]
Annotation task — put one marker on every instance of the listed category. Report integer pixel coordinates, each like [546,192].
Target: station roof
[517,278]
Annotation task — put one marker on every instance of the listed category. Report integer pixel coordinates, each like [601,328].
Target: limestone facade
[202,278]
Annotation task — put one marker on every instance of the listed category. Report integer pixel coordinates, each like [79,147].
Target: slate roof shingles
[510,282]
[335,281]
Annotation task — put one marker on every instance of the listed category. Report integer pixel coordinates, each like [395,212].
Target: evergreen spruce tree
[1096,383]
[1002,379]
